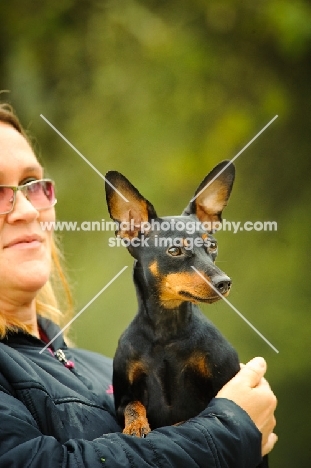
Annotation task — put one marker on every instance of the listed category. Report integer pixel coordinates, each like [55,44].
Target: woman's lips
[25,242]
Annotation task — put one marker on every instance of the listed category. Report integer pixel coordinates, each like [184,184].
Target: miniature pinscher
[171,360]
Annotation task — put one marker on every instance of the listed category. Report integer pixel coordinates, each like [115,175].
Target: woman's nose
[23,209]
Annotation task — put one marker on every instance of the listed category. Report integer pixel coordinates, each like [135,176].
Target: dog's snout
[222,284]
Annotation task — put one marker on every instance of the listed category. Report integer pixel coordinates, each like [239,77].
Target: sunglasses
[40,193]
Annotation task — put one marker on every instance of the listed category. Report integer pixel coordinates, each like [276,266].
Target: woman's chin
[31,277]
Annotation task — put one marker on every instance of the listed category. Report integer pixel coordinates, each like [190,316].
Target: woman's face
[25,249]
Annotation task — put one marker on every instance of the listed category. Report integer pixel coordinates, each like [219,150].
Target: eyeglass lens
[40,193]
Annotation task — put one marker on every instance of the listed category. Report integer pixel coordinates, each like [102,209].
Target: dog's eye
[174,251]
[212,246]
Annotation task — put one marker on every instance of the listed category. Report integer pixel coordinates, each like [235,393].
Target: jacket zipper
[60,355]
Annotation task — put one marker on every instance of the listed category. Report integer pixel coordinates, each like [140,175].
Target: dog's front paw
[137,428]
[136,422]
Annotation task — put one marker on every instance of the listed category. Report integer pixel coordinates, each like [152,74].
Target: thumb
[253,371]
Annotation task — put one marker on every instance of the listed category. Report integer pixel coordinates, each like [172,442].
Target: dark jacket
[53,416]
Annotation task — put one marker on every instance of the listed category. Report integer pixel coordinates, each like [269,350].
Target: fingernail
[259,361]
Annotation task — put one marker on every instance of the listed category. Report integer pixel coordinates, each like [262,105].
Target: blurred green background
[162,91]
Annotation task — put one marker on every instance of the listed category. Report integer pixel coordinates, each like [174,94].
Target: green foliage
[162,91]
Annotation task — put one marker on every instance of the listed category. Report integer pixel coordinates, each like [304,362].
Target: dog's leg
[136,422]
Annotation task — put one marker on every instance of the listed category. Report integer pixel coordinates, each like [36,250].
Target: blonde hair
[54,300]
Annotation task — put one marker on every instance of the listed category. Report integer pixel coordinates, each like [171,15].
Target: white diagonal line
[235,157]
[236,310]
[84,308]
[83,157]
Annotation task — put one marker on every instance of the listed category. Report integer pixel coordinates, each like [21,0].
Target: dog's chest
[176,375]
[180,382]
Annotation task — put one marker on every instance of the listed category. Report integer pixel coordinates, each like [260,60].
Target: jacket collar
[49,328]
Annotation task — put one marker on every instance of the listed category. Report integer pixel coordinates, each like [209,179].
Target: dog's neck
[165,321]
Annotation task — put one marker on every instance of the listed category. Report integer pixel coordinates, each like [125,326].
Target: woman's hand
[251,391]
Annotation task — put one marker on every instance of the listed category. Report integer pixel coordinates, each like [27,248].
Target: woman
[56,407]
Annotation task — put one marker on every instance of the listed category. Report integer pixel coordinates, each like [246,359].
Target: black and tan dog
[171,360]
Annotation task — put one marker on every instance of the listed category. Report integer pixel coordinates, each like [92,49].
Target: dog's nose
[222,283]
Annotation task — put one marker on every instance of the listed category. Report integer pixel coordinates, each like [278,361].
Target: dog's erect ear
[212,195]
[130,215]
